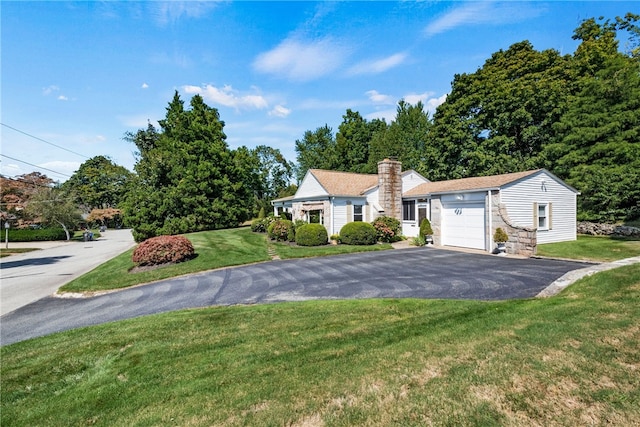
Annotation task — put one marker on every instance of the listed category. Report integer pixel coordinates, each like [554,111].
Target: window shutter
[550,215]
[349,212]
[535,215]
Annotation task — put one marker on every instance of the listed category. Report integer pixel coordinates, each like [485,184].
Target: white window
[542,216]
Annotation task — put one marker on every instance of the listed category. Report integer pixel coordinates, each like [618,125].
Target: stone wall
[522,240]
[596,229]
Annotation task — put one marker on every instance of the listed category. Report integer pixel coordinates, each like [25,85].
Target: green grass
[595,248]
[285,250]
[570,360]
[4,252]
[214,249]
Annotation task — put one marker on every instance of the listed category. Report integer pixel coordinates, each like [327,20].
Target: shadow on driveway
[33,262]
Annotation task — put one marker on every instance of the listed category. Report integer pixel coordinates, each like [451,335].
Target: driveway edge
[575,275]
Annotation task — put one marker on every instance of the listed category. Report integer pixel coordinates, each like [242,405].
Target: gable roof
[344,183]
[467,184]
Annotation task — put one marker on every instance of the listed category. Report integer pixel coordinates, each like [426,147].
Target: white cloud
[380,98]
[430,103]
[414,98]
[483,12]
[144,86]
[280,111]
[433,103]
[228,97]
[49,90]
[169,12]
[62,98]
[302,60]
[378,65]
[66,168]
[388,115]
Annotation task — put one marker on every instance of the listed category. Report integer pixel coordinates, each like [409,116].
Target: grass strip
[592,248]
[571,360]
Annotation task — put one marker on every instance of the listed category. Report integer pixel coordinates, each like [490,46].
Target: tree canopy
[99,184]
[187,177]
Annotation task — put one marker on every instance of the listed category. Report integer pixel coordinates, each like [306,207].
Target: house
[532,207]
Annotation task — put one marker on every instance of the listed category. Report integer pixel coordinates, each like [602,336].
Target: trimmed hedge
[311,235]
[163,250]
[358,233]
[41,235]
[281,230]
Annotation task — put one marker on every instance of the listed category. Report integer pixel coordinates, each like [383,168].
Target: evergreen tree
[188,179]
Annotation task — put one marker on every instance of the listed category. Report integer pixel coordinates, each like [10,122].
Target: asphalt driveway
[408,273]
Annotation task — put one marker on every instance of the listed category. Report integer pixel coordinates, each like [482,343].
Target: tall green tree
[274,175]
[99,183]
[188,179]
[316,150]
[406,138]
[597,148]
[352,143]
[497,119]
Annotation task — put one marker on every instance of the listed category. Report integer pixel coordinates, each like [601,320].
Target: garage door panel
[463,225]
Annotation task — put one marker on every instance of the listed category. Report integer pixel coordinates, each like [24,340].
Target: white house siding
[519,198]
[343,212]
[310,187]
[411,179]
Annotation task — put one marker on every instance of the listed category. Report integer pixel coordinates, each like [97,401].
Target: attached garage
[463,224]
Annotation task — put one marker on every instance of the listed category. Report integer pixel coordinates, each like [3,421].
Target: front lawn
[570,360]
[594,248]
[214,249]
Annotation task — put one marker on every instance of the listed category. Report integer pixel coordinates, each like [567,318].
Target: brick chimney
[390,187]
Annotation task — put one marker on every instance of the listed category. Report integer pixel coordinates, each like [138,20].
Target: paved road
[33,275]
[406,273]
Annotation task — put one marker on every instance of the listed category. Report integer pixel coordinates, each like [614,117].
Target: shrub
[358,233]
[425,228]
[281,230]
[163,250]
[335,237]
[261,225]
[387,229]
[311,235]
[500,236]
[419,241]
[41,235]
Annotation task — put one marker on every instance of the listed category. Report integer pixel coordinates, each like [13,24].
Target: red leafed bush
[163,250]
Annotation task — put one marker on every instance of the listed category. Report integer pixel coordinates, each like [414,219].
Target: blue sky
[77,75]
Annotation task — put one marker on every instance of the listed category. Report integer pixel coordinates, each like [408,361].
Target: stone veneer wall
[436,220]
[522,240]
[390,187]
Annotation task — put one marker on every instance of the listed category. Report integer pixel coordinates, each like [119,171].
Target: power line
[42,140]
[36,166]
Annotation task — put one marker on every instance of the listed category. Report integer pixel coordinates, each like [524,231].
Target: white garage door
[463,225]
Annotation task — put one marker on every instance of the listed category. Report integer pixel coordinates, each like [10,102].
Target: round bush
[281,230]
[387,229]
[163,250]
[311,235]
[358,233]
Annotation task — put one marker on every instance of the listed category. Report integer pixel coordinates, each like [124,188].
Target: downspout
[490,224]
